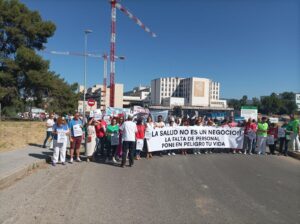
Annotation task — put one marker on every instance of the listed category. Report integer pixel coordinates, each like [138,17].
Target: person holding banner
[148,134]
[160,124]
[262,133]
[60,132]
[75,126]
[171,124]
[140,135]
[112,139]
[129,129]
[185,123]
[249,136]
[198,122]
[91,139]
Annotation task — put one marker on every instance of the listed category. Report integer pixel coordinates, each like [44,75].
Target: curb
[294,155]
[21,172]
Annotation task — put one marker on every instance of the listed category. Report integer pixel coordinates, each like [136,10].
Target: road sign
[249,112]
[91,102]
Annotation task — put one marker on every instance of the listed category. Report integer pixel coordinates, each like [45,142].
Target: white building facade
[192,92]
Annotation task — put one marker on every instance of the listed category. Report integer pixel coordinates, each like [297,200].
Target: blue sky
[252,47]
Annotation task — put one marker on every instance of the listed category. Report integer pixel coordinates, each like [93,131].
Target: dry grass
[19,134]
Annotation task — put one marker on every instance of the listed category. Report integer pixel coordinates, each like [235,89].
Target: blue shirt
[63,127]
[74,122]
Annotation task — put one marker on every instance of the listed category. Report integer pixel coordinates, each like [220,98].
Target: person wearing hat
[129,130]
[262,133]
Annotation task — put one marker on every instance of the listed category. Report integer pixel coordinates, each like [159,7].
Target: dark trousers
[128,145]
[272,148]
[285,142]
[48,135]
[111,150]
[100,146]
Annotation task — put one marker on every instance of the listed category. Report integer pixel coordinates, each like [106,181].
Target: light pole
[86,32]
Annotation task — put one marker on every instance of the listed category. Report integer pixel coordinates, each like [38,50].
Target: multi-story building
[138,96]
[96,92]
[191,92]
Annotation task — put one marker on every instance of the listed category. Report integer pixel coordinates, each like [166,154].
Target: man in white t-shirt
[128,136]
[160,124]
[49,124]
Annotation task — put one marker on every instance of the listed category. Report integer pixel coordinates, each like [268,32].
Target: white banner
[195,137]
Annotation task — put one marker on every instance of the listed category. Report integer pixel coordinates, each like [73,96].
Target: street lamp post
[86,32]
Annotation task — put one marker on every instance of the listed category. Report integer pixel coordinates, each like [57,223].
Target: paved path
[217,188]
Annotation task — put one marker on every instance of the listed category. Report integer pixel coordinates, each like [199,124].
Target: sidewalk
[18,163]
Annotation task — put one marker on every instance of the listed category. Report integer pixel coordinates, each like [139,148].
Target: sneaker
[205,152]
[78,160]
[195,153]
[233,152]
[173,154]
[71,160]
[199,153]
[53,164]
[239,152]
[245,153]
[169,154]
[114,160]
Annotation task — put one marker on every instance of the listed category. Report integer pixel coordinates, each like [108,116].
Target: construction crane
[115,4]
[104,57]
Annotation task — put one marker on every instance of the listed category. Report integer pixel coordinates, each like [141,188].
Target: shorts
[76,142]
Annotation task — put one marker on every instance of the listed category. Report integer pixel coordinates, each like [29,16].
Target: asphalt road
[217,188]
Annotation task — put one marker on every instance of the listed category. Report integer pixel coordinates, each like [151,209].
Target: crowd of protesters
[120,139]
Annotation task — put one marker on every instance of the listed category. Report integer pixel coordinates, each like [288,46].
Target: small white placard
[77,130]
[139,144]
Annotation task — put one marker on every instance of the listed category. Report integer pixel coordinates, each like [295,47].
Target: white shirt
[160,124]
[50,123]
[129,129]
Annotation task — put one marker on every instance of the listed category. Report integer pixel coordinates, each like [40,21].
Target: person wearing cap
[262,133]
[171,124]
[294,125]
[128,134]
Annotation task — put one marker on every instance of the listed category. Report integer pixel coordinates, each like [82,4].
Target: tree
[234,103]
[24,75]
[256,102]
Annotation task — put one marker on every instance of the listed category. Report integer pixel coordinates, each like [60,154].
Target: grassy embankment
[19,134]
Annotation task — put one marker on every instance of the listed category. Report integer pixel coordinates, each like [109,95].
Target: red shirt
[249,126]
[273,131]
[140,134]
[101,129]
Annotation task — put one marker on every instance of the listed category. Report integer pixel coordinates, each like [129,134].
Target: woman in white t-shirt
[149,128]
[49,124]
[91,139]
